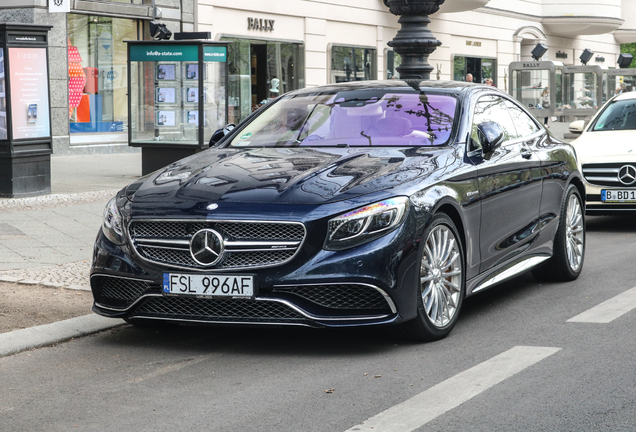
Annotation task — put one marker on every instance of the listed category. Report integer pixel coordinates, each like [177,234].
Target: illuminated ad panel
[29,93]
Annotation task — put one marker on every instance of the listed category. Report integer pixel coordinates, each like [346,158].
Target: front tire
[441,287]
[569,242]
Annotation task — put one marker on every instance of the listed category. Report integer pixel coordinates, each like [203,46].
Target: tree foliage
[631,49]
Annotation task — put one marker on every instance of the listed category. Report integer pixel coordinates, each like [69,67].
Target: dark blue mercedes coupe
[368,203]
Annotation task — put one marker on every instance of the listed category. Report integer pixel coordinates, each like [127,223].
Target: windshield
[353,118]
[619,115]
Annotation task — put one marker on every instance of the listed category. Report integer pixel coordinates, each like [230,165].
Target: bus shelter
[538,85]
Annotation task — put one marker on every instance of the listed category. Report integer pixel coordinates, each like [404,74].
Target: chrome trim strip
[285,302]
[275,245]
[290,324]
[387,298]
[604,179]
[510,271]
[133,244]
[160,243]
[261,244]
[601,170]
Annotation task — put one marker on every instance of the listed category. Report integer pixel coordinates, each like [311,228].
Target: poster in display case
[175,105]
[192,94]
[166,72]
[166,118]
[166,95]
[192,71]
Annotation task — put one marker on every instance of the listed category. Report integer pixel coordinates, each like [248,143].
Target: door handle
[526,153]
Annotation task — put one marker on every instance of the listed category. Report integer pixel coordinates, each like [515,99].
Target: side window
[524,123]
[492,109]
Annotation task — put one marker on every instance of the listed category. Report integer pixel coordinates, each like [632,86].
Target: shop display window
[480,68]
[530,87]
[97,73]
[393,61]
[582,91]
[260,71]
[353,64]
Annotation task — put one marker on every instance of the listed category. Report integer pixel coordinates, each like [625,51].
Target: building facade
[282,45]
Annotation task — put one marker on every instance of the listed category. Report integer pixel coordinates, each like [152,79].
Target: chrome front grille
[606,174]
[248,245]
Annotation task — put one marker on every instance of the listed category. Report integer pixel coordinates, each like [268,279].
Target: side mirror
[221,133]
[577,127]
[491,136]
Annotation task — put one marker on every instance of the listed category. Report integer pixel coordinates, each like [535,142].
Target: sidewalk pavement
[48,240]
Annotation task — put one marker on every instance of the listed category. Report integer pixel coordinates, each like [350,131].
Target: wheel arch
[580,186]
[453,213]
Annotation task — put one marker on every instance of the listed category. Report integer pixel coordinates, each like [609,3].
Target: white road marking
[609,310]
[430,404]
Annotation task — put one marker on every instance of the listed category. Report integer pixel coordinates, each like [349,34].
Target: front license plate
[626,195]
[209,285]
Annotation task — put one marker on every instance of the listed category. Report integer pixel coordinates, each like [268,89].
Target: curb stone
[36,337]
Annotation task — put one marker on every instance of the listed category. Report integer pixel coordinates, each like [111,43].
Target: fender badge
[212,207]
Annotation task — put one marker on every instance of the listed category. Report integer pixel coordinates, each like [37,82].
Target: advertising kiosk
[583,89]
[538,85]
[177,98]
[25,113]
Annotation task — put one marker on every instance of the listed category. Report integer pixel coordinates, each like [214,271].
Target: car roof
[397,85]
[626,96]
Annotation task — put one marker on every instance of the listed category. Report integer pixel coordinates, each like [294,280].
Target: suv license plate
[624,196]
[209,285]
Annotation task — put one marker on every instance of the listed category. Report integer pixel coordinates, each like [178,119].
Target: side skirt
[503,273]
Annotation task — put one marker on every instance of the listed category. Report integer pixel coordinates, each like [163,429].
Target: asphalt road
[513,363]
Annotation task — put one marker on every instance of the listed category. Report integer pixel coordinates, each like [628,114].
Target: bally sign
[260,24]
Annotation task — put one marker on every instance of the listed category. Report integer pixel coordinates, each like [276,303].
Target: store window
[480,68]
[353,64]
[260,71]
[393,61]
[97,72]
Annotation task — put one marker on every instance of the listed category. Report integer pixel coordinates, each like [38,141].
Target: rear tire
[569,242]
[441,282]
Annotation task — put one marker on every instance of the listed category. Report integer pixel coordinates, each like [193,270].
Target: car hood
[606,146]
[288,175]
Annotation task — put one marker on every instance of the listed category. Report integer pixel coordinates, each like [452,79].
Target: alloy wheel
[574,233]
[441,276]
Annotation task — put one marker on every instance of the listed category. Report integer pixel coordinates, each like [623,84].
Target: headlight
[365,224]
[113,226]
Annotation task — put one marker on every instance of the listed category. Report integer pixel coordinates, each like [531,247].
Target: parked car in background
[367,203]
[607,153]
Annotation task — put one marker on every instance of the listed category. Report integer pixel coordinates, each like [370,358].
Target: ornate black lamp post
[414,41]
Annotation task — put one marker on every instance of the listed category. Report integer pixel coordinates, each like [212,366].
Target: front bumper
[595,207]
[367,285]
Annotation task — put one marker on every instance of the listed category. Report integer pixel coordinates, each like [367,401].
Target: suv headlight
[113,224]
[365,224]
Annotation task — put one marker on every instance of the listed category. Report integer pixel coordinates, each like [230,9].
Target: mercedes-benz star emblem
[206,247]
[627,175]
